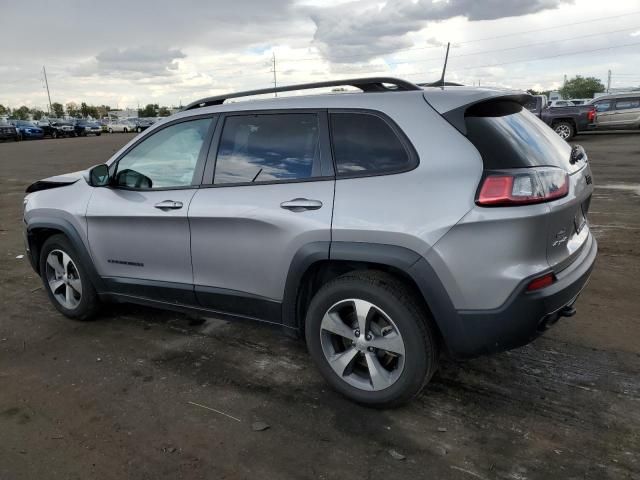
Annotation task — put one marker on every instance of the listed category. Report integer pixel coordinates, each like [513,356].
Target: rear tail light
[591,115]
[541,282]
[522,186]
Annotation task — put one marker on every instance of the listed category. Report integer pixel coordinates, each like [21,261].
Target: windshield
[509,136]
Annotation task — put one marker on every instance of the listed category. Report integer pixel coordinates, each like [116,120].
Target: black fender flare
[411,263]
[65,227]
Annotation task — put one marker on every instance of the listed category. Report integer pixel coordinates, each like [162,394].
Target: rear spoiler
[456,116]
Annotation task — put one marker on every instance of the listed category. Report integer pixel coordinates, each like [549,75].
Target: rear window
[365,144]
[627,103]
[509,136]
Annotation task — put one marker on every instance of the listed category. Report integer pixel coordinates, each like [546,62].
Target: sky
[134,52]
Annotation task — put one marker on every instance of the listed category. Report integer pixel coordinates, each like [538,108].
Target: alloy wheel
[563,130]
[64,279]
[362,344]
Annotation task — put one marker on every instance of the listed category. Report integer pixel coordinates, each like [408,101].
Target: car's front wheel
[66,280]
[371,338]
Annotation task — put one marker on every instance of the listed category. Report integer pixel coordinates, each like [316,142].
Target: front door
[271,196]
[138,227]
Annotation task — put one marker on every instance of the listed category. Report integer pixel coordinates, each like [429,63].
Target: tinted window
[264,148]
[167,158]
[603,106]
[364,143]
[509,136]
[627,103]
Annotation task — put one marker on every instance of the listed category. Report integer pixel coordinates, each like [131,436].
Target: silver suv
[385,226]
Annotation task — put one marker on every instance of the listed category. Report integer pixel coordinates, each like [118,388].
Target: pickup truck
[565,121]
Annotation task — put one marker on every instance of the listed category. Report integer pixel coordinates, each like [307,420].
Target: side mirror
[99,176]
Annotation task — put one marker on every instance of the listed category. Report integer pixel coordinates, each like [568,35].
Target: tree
[72,109]
[84,109]
[151,110]
[164,112]
[581,87]
[21,113]
[36,113]
[4,110]
[58,109]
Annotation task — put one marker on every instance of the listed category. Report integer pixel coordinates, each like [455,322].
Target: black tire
[89,301]
[111,130]
[564,129]
[54,134]
[98,134]
[411,319]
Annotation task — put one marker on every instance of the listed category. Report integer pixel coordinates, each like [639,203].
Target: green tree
[72,109]
[58,110]
[84,109]
[581,87]
[151,110]
[4,110]
[36,113]
[163,112]
[21,113]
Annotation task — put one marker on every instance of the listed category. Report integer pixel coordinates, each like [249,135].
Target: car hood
[55,182]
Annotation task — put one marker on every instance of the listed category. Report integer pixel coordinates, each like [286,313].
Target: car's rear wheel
[66,280]
[371,339]
[111,130]
[565,130]
[126,131]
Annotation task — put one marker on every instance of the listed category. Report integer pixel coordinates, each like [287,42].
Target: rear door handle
[168,205]
[301,204]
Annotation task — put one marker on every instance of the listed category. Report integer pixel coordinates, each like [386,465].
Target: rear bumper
[524,316]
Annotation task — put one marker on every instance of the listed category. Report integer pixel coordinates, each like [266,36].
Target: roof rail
[373,84]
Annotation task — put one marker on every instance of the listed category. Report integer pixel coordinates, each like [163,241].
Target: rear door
[605,114]
[138,227]
[270,196]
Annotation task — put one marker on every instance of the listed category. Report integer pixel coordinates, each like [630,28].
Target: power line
[478,39]
[518,46]
[577,52]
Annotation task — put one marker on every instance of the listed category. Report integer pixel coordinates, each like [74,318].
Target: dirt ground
[116,398]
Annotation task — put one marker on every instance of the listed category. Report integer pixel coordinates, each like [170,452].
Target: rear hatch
[522,154]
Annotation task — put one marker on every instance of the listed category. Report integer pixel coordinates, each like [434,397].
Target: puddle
[629,187]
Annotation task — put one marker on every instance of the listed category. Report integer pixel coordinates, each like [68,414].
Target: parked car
[8,132]
[561,103]
[384,227]
[565,121]
[620,111]
[27,129]
[56,128]
[141,124]
[121,126]
[580,101]
[84,128]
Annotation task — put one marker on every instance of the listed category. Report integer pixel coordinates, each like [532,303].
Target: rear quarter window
[366,144]
[507,135]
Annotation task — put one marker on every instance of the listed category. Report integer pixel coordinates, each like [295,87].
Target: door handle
[168,205]
[301,204]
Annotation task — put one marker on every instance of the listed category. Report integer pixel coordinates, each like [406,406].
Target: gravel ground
[146,394]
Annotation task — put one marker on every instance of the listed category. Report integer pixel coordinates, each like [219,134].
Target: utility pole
[273,69]
[48,94]
[608,80]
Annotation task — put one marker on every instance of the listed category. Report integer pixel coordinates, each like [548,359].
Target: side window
[627,103]
[366,144]
[166,158]
[268,147]
[603,106]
